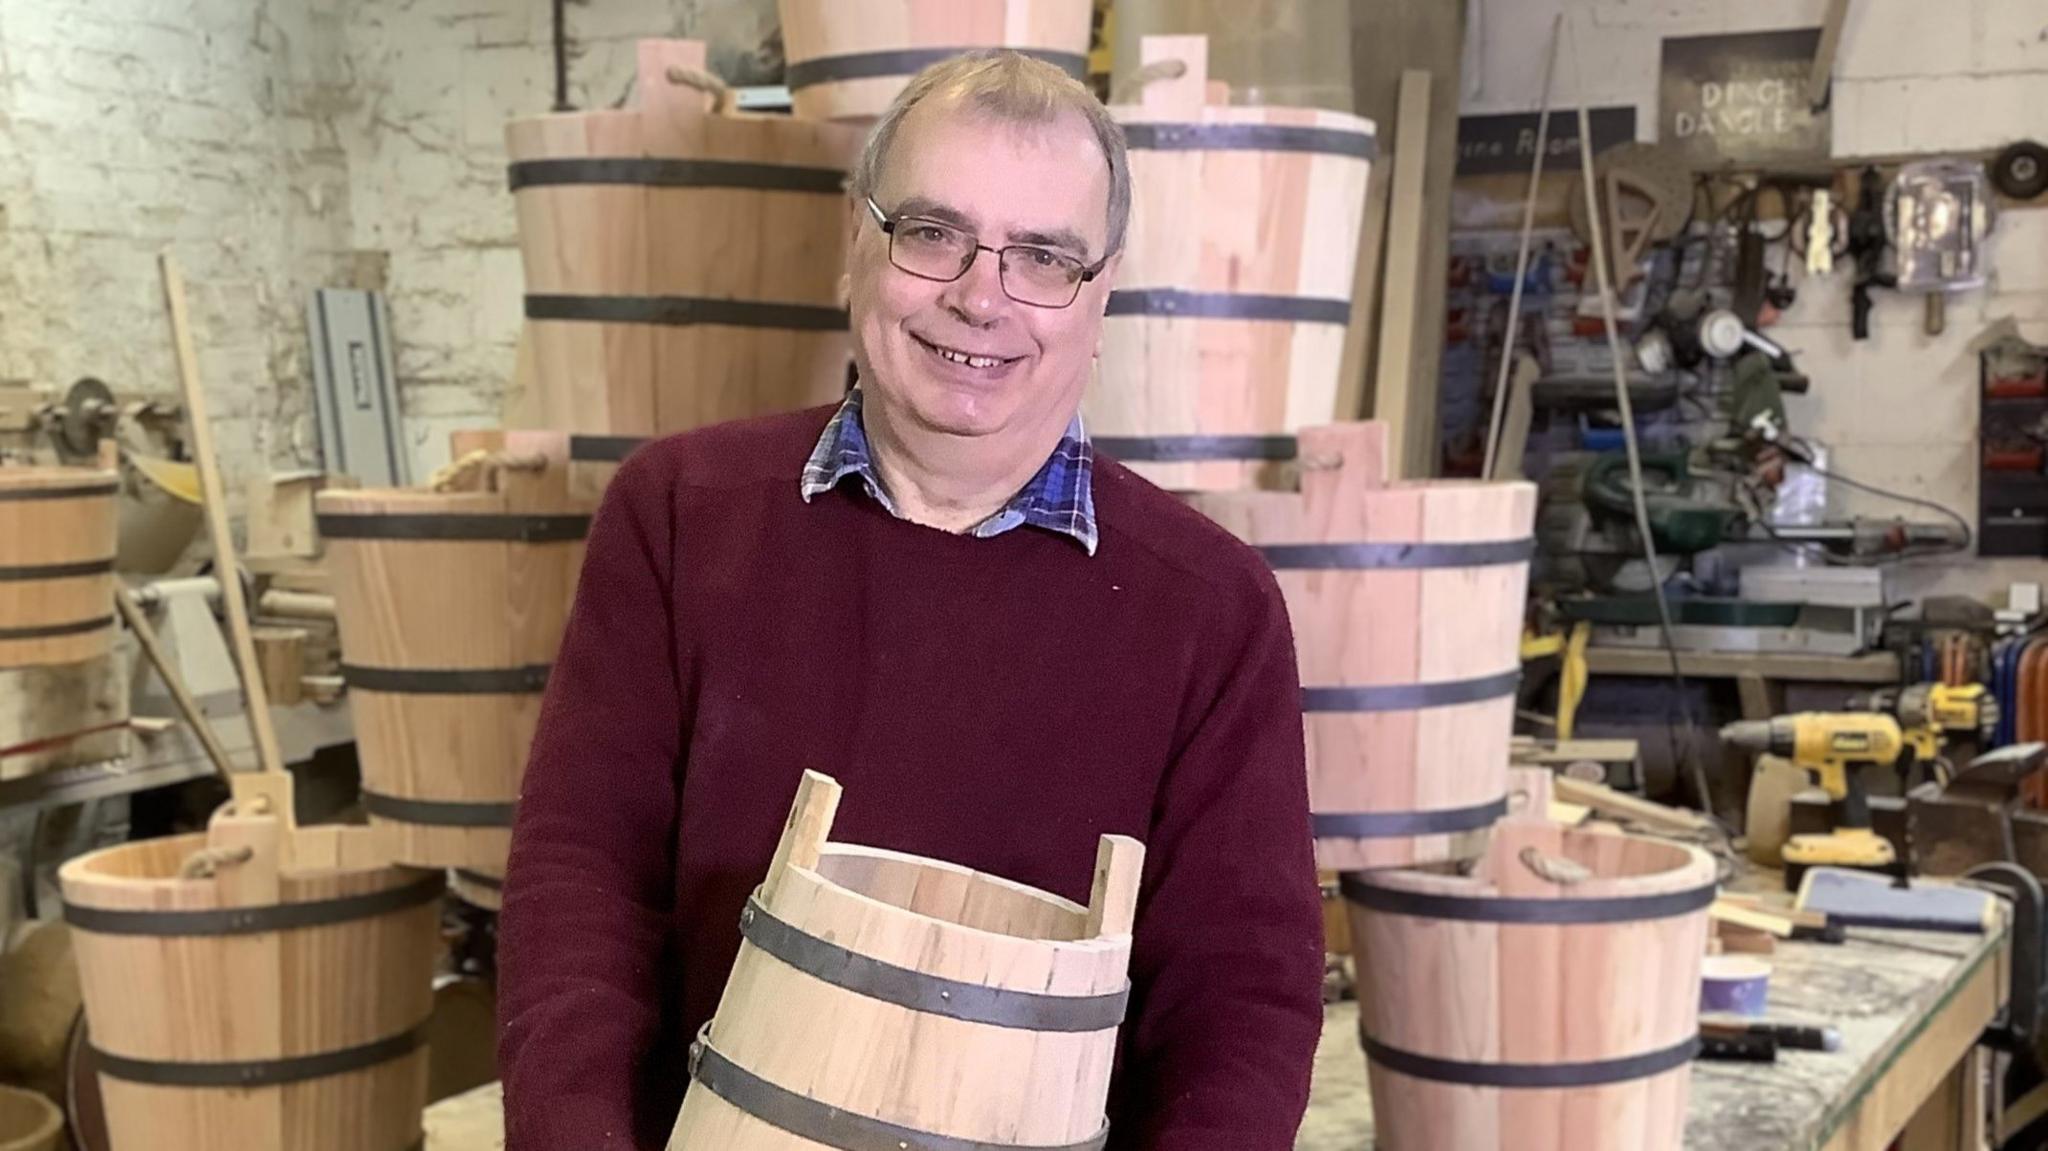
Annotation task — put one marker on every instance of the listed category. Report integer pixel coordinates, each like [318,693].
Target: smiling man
[1002,646]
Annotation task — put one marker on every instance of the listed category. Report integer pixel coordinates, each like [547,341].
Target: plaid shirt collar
[1060,498]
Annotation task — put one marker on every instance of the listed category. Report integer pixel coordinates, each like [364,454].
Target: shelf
[1878,667]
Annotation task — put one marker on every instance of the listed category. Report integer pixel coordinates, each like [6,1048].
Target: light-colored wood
[181,696]
[281,654]
[644,240]
[823,29]
[1486,992]
[1113,904]
[1831,26]
[63,715]
[1877,667]
[1394,381]
[28,1122]
[51,516]
[297,605]
[280,515]
[214,497]
[1650,814]
[804,834]
[256,996]
[928,1072]
[455,605]
[1395,626]
[1231,222]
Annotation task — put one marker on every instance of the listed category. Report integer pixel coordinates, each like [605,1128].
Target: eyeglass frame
[888,225]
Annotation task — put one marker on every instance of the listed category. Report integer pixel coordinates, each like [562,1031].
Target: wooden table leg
[1953,1118]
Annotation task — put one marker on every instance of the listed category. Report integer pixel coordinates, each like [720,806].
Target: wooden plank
[1395,390]
[1874,667]
[201,428]
[1824,56]
[1608,801]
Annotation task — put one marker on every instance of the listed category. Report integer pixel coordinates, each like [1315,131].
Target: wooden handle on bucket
[805,834]
[1113,904]
[1182,93]
[662,96]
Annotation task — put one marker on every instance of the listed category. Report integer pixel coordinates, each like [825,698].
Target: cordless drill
[1834,747]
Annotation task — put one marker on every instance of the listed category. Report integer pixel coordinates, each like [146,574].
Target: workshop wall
[1913,79]
[131,126]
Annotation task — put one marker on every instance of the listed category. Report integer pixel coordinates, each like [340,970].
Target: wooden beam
[1824,56]
[1395,377]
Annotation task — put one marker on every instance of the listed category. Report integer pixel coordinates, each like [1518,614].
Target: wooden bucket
[682,265]
[280,1002]
[883,1000]
[485,889]
[57,540]
[28,1122]
[847,61]
[1227,323]
[451,605]
[1407,604]
[1506,1010]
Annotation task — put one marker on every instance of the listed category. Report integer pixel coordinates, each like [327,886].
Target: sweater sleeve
[1227,957]
[591,877]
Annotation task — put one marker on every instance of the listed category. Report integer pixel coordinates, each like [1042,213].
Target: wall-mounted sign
[1740,101]
[1507,143]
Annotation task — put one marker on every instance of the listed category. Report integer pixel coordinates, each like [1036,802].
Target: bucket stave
[1406,601]
[847,61]
[1526,1007]
[451,606]
[682,264]
[954,1007]
[280,1001]
[1227,323]
[57,541]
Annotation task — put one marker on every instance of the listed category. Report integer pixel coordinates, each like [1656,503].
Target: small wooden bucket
[1227,323]
[883,1000]
[1407,605]
[57,540]
[682,264]
[485,889]
[1547,1002]
[451,605]
[28,1122]
[848,60]
[280,1001]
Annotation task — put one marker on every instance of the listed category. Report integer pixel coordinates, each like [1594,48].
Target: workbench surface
[1908,1004]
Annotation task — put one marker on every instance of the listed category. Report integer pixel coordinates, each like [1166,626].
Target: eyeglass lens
[1029,275]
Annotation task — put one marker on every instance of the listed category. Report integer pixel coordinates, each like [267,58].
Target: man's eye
[931,234]
[1042,258]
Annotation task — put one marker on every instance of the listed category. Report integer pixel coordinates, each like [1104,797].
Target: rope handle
[1563,872]
[458,474]
[207,861]
[1135,85]
[703,81]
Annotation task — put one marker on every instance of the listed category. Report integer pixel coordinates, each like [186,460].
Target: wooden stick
[1394,385]
[804,836]
[268,758]
[1507,348]
[1824,55]
[145,637]
[1608,801]
[1113,904]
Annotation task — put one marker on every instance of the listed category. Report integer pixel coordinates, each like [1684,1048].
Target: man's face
[1041,184]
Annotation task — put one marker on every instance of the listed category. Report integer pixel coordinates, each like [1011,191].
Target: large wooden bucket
[451,605]
[682,265]
[280,1001]
[1407,604]
[848,60]
[57,539]
[1508,1011]
[883,1000]
[1227,323]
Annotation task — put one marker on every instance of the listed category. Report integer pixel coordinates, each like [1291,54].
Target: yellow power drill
[1834,747]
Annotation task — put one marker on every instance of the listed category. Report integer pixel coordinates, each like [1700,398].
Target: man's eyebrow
[1065,238]
[928,209]
[933,210]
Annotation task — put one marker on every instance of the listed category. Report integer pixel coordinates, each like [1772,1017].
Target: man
[1002,646]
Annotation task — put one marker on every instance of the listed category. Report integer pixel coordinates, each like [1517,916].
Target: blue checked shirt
[1060,498]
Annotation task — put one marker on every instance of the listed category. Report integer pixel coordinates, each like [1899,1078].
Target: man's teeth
[964,358]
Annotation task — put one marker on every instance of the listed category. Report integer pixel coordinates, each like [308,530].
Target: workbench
[1909,1005]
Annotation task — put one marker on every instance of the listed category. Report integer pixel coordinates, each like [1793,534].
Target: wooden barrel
[1509,1011]
[57,539]
[847,61]
[28,1122]
[883,1000]
[451,605]
[1407,604]
[281,1001]
[485,889]
[682,265]
[1227,323]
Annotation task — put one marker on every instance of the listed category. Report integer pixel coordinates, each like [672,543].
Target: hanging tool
[1835,748]
[1867,246]
[1936,716]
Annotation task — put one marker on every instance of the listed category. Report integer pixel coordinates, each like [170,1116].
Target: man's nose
[977,296]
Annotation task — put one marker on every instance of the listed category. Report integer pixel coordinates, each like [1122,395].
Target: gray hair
[1014,88]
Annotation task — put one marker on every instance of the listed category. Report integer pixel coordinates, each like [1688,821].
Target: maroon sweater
[997,702]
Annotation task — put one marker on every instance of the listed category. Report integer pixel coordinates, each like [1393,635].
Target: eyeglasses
[1029,274]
